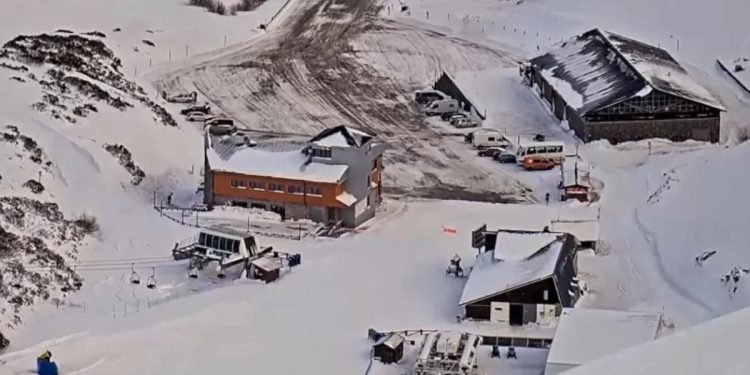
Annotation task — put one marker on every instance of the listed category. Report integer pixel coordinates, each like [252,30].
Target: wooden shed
[265,268]
[389,349]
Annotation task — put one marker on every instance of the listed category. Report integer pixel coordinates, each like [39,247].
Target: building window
[546,295]
[239,184]
[295,189]
[275,187]
[320,152]
[312,190]
[256,185]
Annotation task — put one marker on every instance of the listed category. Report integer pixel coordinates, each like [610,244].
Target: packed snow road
[328,63]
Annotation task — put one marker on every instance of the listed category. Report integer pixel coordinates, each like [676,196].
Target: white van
[489,138]
[442,106]
[551,150]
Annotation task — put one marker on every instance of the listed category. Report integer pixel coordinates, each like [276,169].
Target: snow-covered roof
[491,276]
[341,136]
[469,82]
[584,231]
[519,246]
[713,347]
[392,341]
[346,198]
[267,263]
[276,162]
[598,68]
[660,70]
[584,335]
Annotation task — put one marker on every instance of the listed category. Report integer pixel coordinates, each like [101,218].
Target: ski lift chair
[151,283]
[134,278]
[77,281]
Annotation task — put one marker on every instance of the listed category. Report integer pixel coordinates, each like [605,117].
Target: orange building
[334,177]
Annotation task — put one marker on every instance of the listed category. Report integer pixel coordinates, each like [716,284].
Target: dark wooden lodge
[611,87]
[389,349]
[517,285]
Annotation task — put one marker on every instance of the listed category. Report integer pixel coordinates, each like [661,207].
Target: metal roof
[597,69]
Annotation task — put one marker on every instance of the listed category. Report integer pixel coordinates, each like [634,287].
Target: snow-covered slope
[714,347]
[81,134]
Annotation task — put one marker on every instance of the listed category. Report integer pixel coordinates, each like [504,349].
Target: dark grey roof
[597,69]
[660,70]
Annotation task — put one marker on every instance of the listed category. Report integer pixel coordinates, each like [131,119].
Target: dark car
[505,157]
[220,121]
[490,151]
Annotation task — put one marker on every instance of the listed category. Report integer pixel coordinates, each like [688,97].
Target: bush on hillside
[87,223]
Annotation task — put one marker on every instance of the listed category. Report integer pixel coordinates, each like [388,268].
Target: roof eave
[509,289]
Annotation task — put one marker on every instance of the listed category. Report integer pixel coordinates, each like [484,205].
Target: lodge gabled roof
[599,68]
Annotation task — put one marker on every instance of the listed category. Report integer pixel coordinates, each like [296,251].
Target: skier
[546,198]
[169,199]
[44,364]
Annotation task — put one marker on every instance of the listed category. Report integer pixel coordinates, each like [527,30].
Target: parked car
[539,137]
[535,163]
[205,108]
[490,151]
[456,117]
[219,121]
[465,123]
[222,129]
[505,157]
[196,116]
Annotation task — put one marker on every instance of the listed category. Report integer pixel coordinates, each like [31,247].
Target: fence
[165,212]
[123,308]
[273,18]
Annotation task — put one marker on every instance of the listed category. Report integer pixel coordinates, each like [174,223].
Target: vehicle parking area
[290,88]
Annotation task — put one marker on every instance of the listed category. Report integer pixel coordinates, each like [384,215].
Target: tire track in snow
[653,244]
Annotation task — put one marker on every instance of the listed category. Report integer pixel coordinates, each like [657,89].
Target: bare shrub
[87,223]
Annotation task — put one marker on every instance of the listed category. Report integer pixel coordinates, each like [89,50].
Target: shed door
[499,311]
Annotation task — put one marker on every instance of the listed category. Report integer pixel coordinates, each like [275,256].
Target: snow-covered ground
[390,277]
[658,212]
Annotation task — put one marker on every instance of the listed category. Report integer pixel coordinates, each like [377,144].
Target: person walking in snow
[546,198]
[45,365]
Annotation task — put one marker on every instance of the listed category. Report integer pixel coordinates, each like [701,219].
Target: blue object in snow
[46,367]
